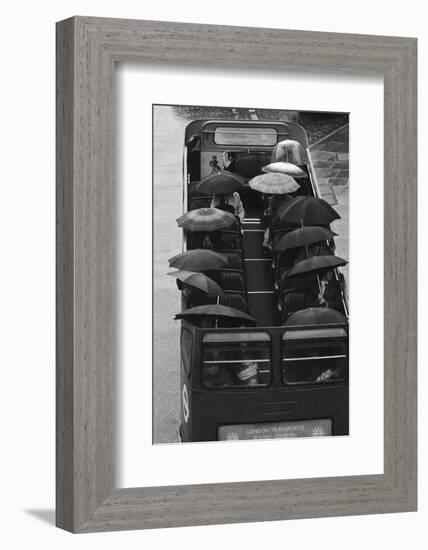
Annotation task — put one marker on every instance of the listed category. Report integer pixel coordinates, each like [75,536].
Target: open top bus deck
[291,361]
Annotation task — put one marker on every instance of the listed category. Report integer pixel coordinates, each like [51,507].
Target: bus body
[293,396]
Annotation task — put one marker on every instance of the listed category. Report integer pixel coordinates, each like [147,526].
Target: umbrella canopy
[316,316]
[274,183]
[285,168]
[291,151]
[199,259]
[221,182]
[206,219]
[215,310]
[316,263]
[307,210]
[304,236]
[199,281]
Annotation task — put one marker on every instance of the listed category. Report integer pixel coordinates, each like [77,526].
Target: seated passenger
[218,376]
[247,165]
[325,280]
[230,202]
[247,373]
[200,240]
[272,203]
[192,296]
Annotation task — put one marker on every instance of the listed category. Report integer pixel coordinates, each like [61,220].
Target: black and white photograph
[250,273]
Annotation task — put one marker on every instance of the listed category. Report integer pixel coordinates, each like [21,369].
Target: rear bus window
[316,356]
[226,135]
[236,360]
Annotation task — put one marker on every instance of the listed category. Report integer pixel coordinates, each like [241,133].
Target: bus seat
[284,260]
[315,249]
[234,300]
[306,282]
[231,281]
[292,301]
[234,260]
[199,202]
[249,165]
[228,240]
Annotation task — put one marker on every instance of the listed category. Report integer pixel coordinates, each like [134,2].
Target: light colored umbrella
[206,219]
[291,151]
[285,168]
[316,316]
[198,259]
[274,184]
[199,281]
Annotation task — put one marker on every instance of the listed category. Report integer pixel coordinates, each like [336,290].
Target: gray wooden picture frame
[87,51]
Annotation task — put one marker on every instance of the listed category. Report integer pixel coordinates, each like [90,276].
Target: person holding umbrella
[272,203]
[230,202]
[196,287]
[277,188]
[325,279]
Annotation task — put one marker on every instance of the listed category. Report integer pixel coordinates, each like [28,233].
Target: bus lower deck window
[236,360]
[314,358]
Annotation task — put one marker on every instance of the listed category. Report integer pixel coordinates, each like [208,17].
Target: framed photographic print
[236,274]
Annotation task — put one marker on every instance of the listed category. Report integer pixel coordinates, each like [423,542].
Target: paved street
[167,196]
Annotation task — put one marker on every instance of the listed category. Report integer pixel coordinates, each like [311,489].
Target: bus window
[186,349]
[227,135]
[236,360]
[314,356]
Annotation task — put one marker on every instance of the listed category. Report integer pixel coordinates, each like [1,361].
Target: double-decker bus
[299,381]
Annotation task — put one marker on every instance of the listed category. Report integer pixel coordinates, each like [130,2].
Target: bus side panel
[186,407]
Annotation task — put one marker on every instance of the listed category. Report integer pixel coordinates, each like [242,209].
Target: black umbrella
[199,281]
[198,259]
[316,316]
[206,219]
[215,311]
[316,263]
[306,210]
[220,183]
[304,236]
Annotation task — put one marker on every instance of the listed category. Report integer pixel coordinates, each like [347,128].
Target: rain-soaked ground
[168,128]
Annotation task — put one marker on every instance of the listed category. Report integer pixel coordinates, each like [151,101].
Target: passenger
[207,242]
[272,203]
[217,375]
[325,280]
[247,373]
[193,297]
[328,375]
[231,202]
